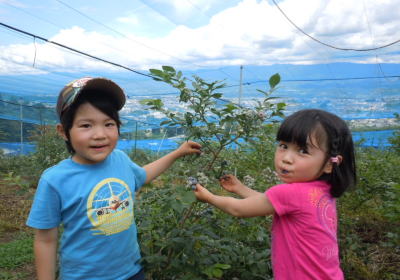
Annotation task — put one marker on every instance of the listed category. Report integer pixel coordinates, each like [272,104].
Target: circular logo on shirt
[327,214]
[110,207]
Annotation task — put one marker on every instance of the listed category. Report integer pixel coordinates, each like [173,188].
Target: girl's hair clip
[335,159]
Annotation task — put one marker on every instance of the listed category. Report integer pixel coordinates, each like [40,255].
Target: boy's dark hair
[330,132]
[101,101]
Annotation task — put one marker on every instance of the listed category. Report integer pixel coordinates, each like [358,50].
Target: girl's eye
[85,125]
[110,124]
[303,151]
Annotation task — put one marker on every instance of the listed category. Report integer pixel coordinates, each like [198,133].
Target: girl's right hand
[202,193]
[230,183]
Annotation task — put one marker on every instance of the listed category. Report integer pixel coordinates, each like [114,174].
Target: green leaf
[179,74]
[168,68]
[146,101]
[222,265]
[274,80]
[188,197]
[157,72]
[177,206]
[281,105]
[217,272]
[264,92]
[229,108]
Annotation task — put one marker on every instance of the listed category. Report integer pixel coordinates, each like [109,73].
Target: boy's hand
[202,193]
[189,147]
[230,183]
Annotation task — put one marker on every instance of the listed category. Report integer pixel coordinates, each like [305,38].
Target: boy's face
[93,135]
[294,164]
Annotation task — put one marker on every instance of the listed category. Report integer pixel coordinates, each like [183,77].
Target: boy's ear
[61,131]
[329,164]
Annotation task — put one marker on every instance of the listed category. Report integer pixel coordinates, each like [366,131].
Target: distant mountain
[351,90]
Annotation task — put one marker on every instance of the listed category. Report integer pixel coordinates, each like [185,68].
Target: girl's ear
[329,164]
[61,131]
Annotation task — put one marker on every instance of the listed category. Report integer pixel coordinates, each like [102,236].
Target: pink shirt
[304,242]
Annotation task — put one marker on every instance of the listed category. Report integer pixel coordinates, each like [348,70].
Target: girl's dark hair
[330,132]
[97,99]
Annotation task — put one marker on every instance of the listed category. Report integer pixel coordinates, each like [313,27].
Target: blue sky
[193,34]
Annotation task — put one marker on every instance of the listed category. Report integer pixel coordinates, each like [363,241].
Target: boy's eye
[282,146]
[85,125]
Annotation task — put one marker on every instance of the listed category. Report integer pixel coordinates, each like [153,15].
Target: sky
[195,34]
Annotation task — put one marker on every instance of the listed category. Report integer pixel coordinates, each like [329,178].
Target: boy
[92,192]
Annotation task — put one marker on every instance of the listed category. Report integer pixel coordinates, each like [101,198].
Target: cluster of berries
[192,182]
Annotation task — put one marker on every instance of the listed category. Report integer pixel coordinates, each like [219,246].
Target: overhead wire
[129,38]
[329,45]
[264,80]
[339,88]
[80,52]
[74,50]
[56,25]
[319,80]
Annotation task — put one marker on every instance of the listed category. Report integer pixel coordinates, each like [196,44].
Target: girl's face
[93,135]
[294,164]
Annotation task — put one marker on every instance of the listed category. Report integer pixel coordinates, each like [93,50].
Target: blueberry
[192,181]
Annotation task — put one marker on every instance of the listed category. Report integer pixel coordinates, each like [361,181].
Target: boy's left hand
[189,147]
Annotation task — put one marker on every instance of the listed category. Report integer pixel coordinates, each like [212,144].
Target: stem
[216,154]
[188,212]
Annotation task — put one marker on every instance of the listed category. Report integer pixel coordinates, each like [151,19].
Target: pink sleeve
[283,198]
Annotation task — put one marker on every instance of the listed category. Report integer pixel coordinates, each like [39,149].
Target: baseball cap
[72,90]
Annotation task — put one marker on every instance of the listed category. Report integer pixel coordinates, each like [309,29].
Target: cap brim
[108,86]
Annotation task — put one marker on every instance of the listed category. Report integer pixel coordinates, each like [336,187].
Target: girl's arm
[45,247]
[157,167]
[232,184]
[252,206]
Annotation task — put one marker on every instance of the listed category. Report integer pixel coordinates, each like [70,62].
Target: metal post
[134,150]
[241,82]
[240,97]
[21,127]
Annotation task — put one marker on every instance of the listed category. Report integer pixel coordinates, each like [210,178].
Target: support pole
[240,99]
[240,85]
[135,138]
[21,127]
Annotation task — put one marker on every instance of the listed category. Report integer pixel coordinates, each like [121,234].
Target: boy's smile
[93,135]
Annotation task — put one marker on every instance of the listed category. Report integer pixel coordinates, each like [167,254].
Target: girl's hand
[202,193]
[230,183]
[189,147]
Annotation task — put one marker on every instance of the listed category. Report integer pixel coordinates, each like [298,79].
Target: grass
[16,253]
[16,239]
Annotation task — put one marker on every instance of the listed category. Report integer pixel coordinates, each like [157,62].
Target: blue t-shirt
[94,203]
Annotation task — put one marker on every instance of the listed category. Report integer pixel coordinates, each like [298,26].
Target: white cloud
[133,20]
[252,32]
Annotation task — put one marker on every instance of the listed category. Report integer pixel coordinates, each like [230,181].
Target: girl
[92,193]
[315,161]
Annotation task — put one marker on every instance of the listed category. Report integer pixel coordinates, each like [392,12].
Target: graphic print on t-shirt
[326,210]
[110,207]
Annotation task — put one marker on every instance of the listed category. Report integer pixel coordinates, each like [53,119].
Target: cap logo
[80,83]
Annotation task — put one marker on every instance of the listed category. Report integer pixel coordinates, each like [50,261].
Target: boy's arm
[45,247]
[252,206]
[157,167]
